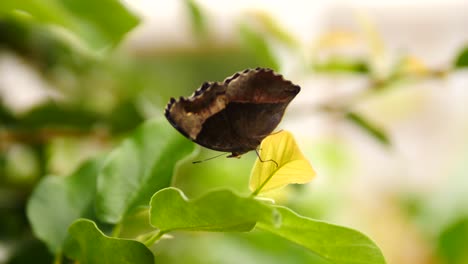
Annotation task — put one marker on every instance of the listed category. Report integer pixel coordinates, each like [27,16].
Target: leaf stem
[257,191]
[150,241]
[58,258]
[116,230]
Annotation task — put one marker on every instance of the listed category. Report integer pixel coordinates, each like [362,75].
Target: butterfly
[234,115]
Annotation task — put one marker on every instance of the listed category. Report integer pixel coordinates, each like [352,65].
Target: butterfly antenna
[259,158]
[200,161]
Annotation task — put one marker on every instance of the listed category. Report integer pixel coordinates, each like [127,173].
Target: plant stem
[257,191]
[116,230]
[58,258]
[150,241]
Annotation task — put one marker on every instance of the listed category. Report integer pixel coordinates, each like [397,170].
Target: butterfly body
[235,115]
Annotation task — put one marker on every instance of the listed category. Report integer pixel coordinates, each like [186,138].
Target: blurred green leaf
[40,46]
[258,48]
[143,164]
[339,245]
[74,119]
[338,65]
[55,115]
[30,251]
[215,211]
[58,201]
[462,59]
[369,128]
[85,19]
[5,115]
[452,243]
[124,117]
[21,165]
[197,18]
[95,247]
[270,25]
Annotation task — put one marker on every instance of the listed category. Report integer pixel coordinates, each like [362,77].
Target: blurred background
[382,115]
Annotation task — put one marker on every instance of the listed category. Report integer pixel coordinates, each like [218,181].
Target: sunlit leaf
[338,245]
[58,201]
[283,163]
[95,247]
[215,211]
[143,164]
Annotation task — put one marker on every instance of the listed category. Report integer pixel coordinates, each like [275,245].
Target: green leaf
[452,242]
[258,48]
[269,25]
[58,201]
[28,251]
[197,18]
[368,127]
[83,19]
[338,65]
[338,245]
[462,59]
[95,247]
[215,211]
[143,164]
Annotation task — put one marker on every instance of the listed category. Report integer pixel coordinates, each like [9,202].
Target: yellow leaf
[291,166]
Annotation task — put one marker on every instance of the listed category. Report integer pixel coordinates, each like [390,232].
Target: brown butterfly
[235,115]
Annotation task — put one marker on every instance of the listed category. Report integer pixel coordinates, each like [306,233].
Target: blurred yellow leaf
[412,65]
[337,39]
[289,166]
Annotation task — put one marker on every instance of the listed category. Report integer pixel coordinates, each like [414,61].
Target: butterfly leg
[260,158]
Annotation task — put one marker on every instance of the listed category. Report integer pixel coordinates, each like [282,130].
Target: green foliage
[197,17]
[142,165]
[58,201]
[224,211]
[128,194]
[95,247]
[216,211]
[271,27]
[84,19]
[369,128]
[339,65]
[54,115]
[462,59]
[258,47]
[41,46]
[32,251]
[339,245]
[452,242]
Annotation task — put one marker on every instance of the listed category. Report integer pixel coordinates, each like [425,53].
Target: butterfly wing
[233,116]
[257,101]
